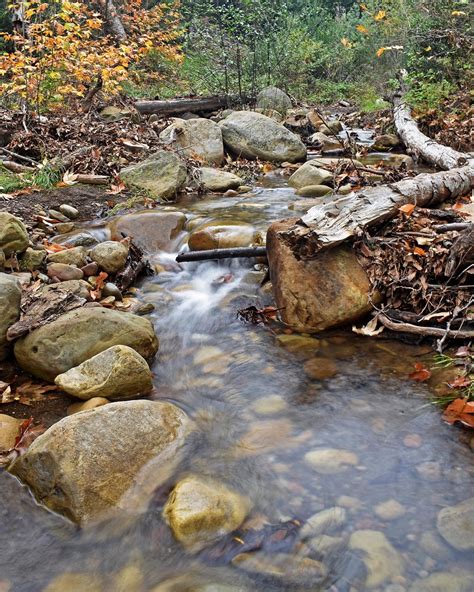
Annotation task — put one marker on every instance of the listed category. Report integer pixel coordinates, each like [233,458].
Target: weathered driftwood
[213,254]
[339,219]
[425,331]
[177,106]
[420,145]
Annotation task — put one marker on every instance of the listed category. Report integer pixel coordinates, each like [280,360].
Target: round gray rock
[272,98]
[110,256]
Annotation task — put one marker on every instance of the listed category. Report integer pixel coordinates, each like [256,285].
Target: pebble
[412,441]
[63,272]
[429,471]
[111,289]
[328,461]
[90,269]
[389,510]
[351,503]
[231,193]
[321,522]
[64,227]
[90,404]
[70,211]
[244,189]
[58,216]
[269,405]
[320,368]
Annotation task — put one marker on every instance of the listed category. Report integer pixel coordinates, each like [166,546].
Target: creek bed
[298,424]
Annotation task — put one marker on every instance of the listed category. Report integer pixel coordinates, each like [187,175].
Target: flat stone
[310,174]
[70,211]
[64,272]
[218,180]
[389,510]
[86,465]
[116,373]
[78,287]
[314,191]
[269,405]
[9,430]
[200,510]
[290,569]
[329,461]
[456,525]
[383,561]
[76,256]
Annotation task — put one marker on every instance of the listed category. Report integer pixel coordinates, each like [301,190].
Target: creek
[265,417]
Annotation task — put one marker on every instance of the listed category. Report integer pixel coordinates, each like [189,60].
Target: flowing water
[298,424]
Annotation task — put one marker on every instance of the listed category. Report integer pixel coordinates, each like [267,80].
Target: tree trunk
[178,106]
[114,22]
[420,145]
[338,219]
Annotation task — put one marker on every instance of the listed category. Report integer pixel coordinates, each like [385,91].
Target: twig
[425,331]
[454,226]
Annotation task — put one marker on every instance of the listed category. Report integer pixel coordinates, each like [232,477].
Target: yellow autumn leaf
[427,49]
[380,51]
[363,7]
[458,13]
[362,29]
[345,42]
[381,14]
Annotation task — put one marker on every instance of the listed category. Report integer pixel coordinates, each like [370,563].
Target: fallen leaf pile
[413,267]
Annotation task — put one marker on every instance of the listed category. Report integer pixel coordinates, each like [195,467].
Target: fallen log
[420,145]
[342,218]
[214,254]
[178,106]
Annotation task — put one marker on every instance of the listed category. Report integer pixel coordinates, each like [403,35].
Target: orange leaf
[460,382]
[407,209]
[419,251]
[381,14]
[362,29]
[460,410]
[380,52]
[421,373]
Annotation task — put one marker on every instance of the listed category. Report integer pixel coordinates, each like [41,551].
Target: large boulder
[200,510]
[219,181]
[273,99]
[332,289]
[196,138]
[151,231]
[310,173]
[456,525]
[116,373]
[253,135]
[223,236]
[13,235]
[84,465]
[162,175]
[10,297]
[80,334]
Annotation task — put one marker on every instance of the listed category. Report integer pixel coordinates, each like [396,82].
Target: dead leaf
[116,188]
[28,433]
[460,410]
[407,209]
[69,178]
[369,330]
[421,373]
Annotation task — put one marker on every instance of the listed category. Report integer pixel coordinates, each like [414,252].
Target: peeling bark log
[178,106]
[420,145]
[339,219]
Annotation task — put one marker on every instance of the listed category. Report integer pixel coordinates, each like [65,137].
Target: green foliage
[425,94]
[9,182]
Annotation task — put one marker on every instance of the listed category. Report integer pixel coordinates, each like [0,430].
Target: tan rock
[223,237]
[9,429]
[389,510]
[310,173]
[162,175]
[118,372]
[13,234]
[330,290]
[110,256]
[151,231]
[64,272]
[90,404]
[290,569]
[329,461]
[314,191]
[10,296]
[200,510]
[76,256]
[80,334]
[196,138]
[85,465]
[32,259]
[78,287]
[218,180]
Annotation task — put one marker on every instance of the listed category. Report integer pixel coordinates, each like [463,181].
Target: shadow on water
[345,462]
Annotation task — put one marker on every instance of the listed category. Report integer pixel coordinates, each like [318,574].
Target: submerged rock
[199,510]
[10,297]
[321,522]
[151,231]
[329,461]
[332,289]
[162,175]
[456,525]
[223,237]
[117,373]
[309,174]
[80,334]
[253,135]
[13,234]
[83,465]
[314,191]
[219,181]
[383,561]
[273,99]
[445,582]
[290,569]
[196,138]
[110,256]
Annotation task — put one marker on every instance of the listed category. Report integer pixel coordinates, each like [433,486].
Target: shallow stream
[298,424]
